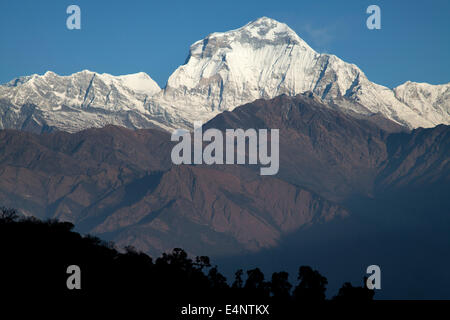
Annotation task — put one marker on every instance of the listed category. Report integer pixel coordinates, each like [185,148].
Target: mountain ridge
[263,59]
[121,184]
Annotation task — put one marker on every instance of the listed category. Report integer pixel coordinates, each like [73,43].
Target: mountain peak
[257,33]
[262,59]
[265,25]
[250,53]
[265,19]
[265,58]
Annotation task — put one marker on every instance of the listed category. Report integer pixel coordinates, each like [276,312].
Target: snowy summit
[263,59]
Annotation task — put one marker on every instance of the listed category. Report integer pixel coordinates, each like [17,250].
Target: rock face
[217,212]
[262,59]
[120,183]
[323,149]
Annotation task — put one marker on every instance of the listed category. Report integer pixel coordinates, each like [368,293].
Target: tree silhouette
[8,215]
[280,286]
[217,280]
[350,293]
[312,285]
[202,262]
[238,282]
[35,255]
[255,284]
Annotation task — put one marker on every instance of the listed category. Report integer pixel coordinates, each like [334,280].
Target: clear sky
[121,37]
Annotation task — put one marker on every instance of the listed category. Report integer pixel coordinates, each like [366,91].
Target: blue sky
[121,37]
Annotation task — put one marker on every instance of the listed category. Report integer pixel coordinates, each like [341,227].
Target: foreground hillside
[165,284]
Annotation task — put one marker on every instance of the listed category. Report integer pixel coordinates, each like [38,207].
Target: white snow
[266,58]
[263,59]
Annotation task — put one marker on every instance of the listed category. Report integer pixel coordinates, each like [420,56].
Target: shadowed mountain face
[215,211]
[395,185]
[60,175]
[364,180]
[121,184]
[325,150]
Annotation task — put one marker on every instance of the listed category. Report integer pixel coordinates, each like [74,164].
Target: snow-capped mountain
[262,59]
[429,101]
[266,58]
[72,103]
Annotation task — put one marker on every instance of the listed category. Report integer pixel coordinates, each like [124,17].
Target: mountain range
[121,183]
[348,193]
[262,59]
[364,170]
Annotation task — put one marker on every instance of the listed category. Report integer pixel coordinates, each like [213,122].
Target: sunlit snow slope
[262,59]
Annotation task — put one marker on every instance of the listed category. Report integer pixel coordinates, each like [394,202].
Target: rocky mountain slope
[121,185]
